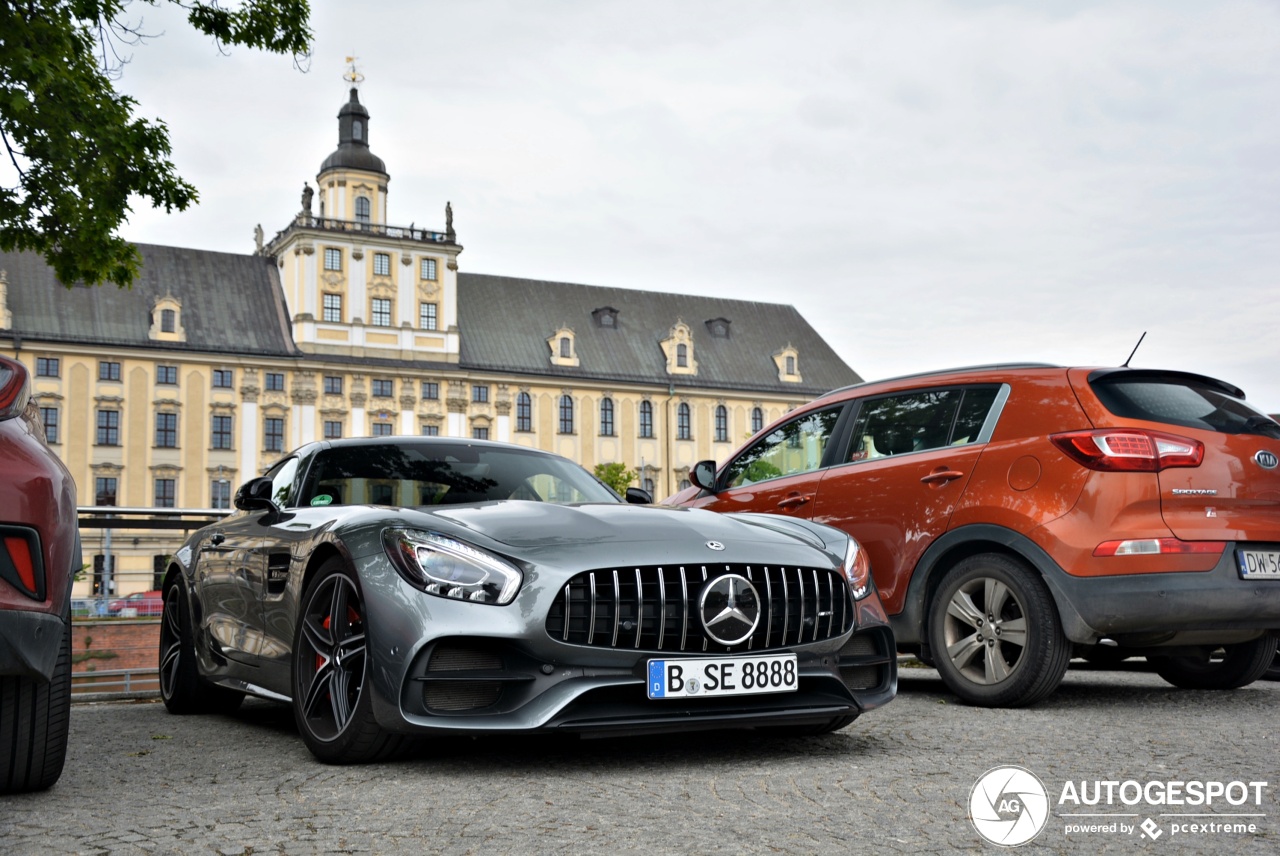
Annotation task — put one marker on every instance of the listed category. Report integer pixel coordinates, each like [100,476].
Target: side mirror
[254,494]
[639,496]
[703,475]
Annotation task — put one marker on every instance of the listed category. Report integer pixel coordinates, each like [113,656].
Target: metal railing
[330,224]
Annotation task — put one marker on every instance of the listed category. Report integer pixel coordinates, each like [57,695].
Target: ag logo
[1008,806]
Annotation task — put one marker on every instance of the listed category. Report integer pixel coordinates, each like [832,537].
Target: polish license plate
[726,676]
[1259,564]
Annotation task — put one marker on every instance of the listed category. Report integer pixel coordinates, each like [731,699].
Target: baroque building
[213,365]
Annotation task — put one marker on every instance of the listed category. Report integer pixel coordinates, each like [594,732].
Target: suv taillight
[1130,449]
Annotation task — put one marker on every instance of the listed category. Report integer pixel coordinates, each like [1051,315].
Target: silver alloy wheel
[170,641]
[330,661]
[985,630]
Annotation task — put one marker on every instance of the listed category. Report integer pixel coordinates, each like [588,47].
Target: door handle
[795,500]
[941,477]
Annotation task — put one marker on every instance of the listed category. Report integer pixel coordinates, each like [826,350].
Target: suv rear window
[1182,401]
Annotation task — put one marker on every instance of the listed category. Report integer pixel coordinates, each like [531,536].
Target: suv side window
[796,447]
[918,421]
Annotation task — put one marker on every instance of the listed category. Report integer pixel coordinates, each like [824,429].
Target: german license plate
[727,676]
[1259,564]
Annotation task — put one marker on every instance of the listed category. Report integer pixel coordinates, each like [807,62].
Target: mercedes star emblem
[730,609]
[715,545]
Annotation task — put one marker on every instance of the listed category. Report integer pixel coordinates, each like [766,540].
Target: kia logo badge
[1266,460]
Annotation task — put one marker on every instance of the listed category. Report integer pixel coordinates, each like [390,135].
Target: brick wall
[99,646]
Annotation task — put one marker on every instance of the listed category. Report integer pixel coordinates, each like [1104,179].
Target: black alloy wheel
[995,634]
[331,696]
[181,687]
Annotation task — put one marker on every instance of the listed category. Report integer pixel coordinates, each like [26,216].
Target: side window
[282,476]
[795,447]
[918,421]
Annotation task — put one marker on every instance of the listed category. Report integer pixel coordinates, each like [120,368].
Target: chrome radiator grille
[656,608]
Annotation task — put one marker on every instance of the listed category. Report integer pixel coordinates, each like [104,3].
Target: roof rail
[939,372]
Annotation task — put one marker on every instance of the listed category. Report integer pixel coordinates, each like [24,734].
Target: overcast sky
[931,184]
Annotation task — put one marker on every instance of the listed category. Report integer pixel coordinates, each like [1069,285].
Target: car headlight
[447,567]
[856,569]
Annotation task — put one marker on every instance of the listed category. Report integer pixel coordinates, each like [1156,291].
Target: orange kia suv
[1016,515]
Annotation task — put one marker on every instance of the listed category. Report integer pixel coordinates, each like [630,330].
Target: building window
[362,205]
[332,385]
[382,264]
[427,316]
[430,430]
[104,491]
[430,390]
[332,258]
[382,429]
[48,366]
[429,269]
[566,414]
[49,416]
[648,486]
[646,419]
[682,356]
[682,422]
[332,430]
[275,381]
[757,420]
[108,371]
[108,427]
[383,388]
[606,417]
[333,308]
[167,375]
[222,378]
[791,365]
[722,424]
[273,434]
[168,320]
[566,348]
[166,430]
[479,433]
[219,493]
[166,493]
[480,394]
[220,431]
[381,312]
[524,412]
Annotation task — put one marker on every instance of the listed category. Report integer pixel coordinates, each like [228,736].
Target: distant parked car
[141,603]
[1018,514]
[39,554]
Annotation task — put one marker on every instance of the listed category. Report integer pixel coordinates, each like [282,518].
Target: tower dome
[353,140]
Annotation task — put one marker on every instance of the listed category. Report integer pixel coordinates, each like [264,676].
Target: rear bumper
[30,643]
[1147,607]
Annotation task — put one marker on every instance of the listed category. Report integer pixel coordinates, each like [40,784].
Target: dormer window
[563,346]
[605,316]
[678,349]
[788,362]
[166,320]
[718,328]
[357,130]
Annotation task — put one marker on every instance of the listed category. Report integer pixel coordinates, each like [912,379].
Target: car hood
[536,525]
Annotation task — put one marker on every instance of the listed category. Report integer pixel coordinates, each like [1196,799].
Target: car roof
[421,440]
[940,373]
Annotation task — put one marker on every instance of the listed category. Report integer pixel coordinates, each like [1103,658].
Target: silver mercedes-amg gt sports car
[387,587]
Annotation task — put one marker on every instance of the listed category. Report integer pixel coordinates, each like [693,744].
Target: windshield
[1180,401]
[414,474]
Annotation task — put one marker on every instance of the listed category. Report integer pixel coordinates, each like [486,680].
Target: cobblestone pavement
[898,780]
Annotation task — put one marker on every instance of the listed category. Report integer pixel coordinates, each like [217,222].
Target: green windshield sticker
[322,499]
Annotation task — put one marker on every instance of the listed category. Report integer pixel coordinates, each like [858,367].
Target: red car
[141,603]
[39,554]
[1017,515]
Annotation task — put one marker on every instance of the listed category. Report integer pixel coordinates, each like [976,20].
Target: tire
[34,720]
[182,688]
[1228,668]
[1018,664]
[332,701]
